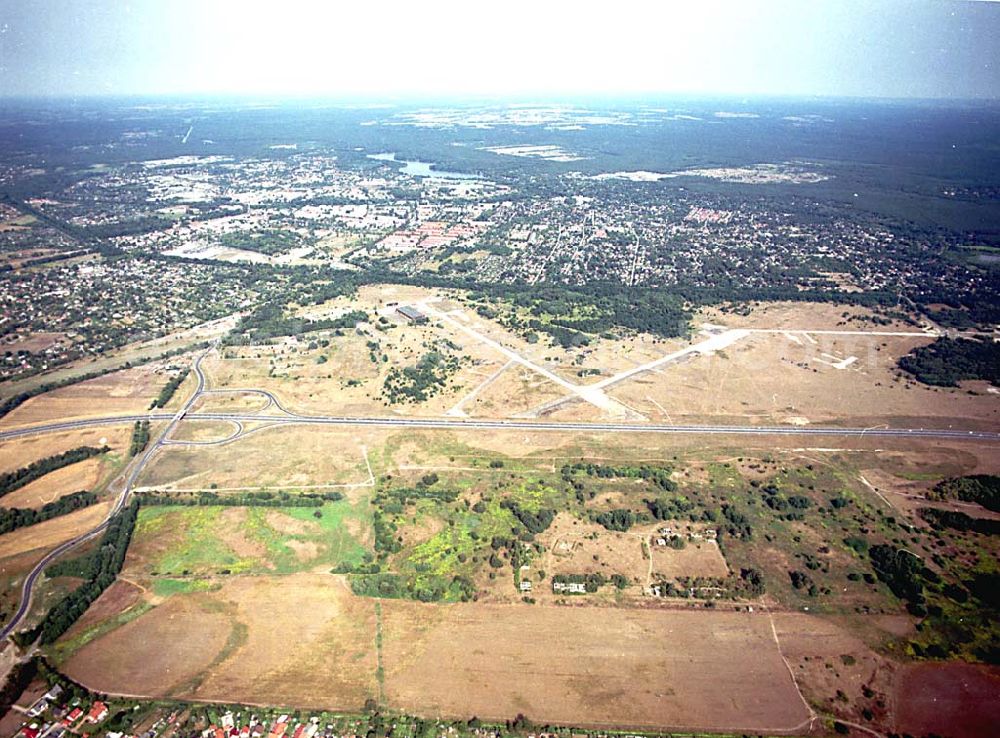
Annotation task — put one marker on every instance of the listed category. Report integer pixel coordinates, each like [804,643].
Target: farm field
[52,532]
[589,666]
[491,661]
[20,452]
[285,458]
[312,642]
[125,392]
[83,476]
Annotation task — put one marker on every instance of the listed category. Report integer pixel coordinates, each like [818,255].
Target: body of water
[421,168]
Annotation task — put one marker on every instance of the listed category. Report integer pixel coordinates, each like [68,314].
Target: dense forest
[948,361]
[983,489]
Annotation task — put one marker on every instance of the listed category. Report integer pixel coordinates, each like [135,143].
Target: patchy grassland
[174,543]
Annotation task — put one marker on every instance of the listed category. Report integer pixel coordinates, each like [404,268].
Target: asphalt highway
[518,425]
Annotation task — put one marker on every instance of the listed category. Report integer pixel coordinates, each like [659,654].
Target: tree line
[948,361]
[939,519]
[140,438]
[247,499]
[269,320]
[18,478]
[167,393]
[983,489]
[14,518]
[101,571]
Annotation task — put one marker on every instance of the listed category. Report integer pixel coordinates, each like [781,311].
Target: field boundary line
[791,673]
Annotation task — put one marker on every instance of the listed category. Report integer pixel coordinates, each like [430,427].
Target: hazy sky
[881,48]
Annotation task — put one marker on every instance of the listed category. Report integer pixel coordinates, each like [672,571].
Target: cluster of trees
[169,389]
[940,519]
[16,479]
[419,382]
[737,524]
[101,571]
[394,500]
[386,541]
[752,582]
[619,519]
[983,489]
[21,674]
[424,589]
[658,475]
[533,522]
[948,361]
[246,499]
[14,518]
[140,438]
[902,571]
[269,321]
[670,508]
[270,241]
[801,580]
[591,582]
[792,506]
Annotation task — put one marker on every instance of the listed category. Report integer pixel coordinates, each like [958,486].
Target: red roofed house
[30,731]
[72,717]
[97,713]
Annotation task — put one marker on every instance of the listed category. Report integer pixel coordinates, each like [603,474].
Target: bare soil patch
[696,559]
[82,476]
[155,653]
[231,532]
[120,597]
[20,452]
[953,699]
[284,523]
[588,666]
[578,547]
[52,532]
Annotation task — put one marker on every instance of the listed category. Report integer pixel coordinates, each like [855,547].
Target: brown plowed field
[588,666]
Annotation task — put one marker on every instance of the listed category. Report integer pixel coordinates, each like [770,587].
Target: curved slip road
[134,469]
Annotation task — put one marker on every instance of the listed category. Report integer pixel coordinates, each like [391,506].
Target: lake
[421,168]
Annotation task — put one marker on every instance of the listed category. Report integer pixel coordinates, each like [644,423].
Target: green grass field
[178,542]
